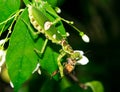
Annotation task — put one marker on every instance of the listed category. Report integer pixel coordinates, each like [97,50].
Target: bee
[69,65]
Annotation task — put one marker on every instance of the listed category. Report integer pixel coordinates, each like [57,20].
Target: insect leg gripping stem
[35,35]
[40,53]
[58,18]
[44,46]
[62,54]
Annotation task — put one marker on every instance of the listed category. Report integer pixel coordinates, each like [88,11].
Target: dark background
[100,20]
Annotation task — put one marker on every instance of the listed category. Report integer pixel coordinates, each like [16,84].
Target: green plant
[25,26]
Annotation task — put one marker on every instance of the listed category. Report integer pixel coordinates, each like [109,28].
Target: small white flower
[2,57]
[80,52]
[11,84]
[83,61]
[37,69]
[85,38]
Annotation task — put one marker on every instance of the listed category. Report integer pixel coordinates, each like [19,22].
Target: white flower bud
[85,38]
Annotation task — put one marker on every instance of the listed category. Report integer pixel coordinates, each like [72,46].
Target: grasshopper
[43,24]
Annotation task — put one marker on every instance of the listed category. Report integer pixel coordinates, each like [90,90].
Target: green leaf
[96,86]
[8,7]
[49,61]
[21,58]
